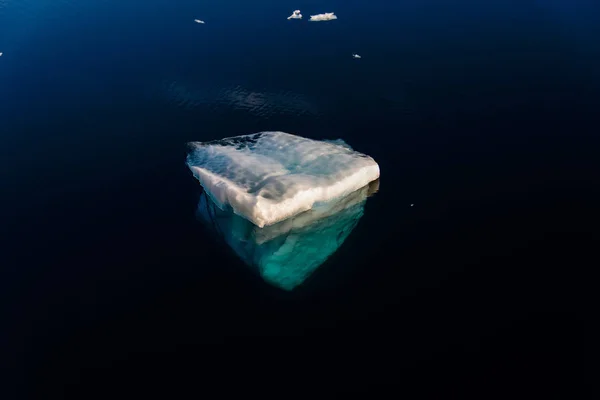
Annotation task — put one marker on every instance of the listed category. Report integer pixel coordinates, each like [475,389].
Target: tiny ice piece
[295,15]
[356,56]
[323,17]
[198,21]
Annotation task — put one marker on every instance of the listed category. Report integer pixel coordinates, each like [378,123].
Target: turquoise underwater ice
[287,253]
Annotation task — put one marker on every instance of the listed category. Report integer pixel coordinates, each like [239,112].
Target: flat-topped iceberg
[287,253]
[268,177]
[323,17]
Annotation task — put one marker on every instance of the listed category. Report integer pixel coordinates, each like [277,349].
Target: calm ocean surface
[483,114]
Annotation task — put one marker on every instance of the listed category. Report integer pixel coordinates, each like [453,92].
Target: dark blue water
[483,114]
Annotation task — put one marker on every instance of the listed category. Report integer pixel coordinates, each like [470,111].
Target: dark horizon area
[466,275]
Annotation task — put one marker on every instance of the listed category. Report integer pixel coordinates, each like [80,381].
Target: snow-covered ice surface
[268,177]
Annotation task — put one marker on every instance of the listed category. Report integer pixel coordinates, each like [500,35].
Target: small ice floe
[1,54]
[412,205]
[323,17]
[356,56]
[295,15]
[198,21]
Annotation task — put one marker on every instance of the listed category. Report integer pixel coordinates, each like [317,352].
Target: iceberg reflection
[287,253]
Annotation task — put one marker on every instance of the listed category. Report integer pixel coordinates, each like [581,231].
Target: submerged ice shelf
[287,253]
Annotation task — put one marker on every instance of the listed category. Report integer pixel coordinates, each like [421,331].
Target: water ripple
[262,104]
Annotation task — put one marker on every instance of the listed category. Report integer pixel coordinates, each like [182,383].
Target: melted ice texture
[271,176]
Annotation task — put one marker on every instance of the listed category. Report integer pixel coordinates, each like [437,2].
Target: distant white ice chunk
[356,56]
[271,176]
[323,17]
[295,15]
[198,21]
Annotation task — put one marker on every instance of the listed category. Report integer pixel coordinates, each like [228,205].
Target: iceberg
[269,177]
[287,253]
[295,15]
[323,17]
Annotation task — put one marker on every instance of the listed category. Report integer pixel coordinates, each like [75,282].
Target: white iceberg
[268,177]
[198,21]
[356,56]
[323,17]
[295,15]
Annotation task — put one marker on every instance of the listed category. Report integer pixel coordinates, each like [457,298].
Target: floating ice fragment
[198,21]
[323,17]
[295,15]
[268,177]
[356,56]
[1,54]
